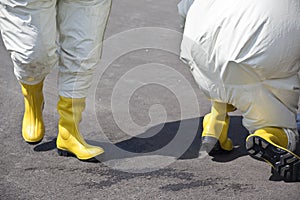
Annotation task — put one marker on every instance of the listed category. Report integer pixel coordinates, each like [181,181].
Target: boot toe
[33,137]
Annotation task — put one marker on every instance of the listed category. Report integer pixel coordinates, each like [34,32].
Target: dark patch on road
[193,184]
[218,184]
[113,177]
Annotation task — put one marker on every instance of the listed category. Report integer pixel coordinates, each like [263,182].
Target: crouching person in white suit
[29,31]
[245,55]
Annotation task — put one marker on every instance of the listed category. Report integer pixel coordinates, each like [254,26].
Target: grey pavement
[145,109]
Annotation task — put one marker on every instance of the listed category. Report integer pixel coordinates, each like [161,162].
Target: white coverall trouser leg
[39,34]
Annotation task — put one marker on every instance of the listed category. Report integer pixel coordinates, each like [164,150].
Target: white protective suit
[30,29]
[247,53]
[183,8]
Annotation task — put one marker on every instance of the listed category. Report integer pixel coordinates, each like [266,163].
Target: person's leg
[81,26]
[28,31]
[269,113]
[215,129]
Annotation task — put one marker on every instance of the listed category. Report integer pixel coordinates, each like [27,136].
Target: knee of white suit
[32,66]
[30,43]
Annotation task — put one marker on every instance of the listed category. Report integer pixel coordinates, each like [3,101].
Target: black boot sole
[34,143]
[284,163]
[69,154]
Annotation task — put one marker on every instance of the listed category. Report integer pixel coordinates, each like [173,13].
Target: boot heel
[209,144]
[212,146]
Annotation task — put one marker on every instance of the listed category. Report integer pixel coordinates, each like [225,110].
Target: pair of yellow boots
[69,140]
[271,144]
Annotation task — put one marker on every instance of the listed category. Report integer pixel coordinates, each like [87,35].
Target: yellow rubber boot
[274,145]
[215,129]
[274,135]
[69,140]
[33,129]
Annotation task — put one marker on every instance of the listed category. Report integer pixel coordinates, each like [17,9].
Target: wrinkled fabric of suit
[247,53]
[40,34]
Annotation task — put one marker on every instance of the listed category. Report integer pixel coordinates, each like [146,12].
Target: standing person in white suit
[40,34]
[245,55]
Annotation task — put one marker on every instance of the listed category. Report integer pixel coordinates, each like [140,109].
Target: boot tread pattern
[283,162]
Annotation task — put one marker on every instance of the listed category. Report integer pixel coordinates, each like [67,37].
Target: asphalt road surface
[146,111]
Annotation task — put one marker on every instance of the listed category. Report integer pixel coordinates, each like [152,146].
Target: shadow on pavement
[143,144]
[46,146]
